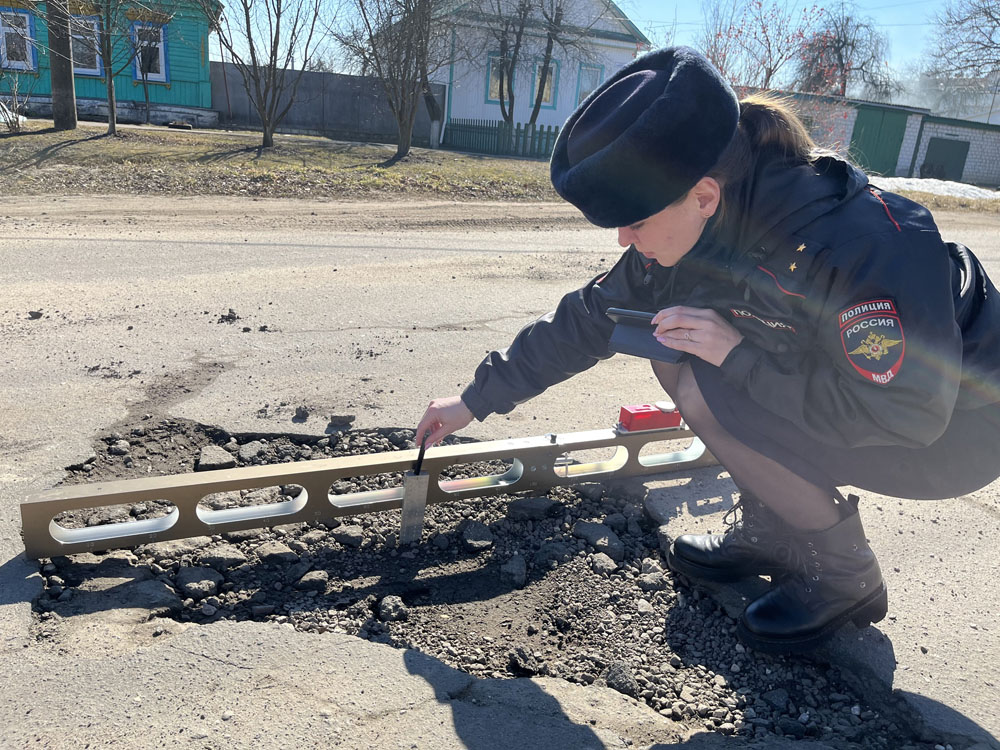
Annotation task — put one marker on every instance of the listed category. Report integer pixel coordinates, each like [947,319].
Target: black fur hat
[644,137]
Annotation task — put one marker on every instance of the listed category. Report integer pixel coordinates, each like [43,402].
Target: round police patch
[873,339]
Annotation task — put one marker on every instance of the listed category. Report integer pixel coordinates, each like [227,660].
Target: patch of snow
[937,187]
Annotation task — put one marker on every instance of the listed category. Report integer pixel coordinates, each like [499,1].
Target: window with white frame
[83,38]
[150,40]
[591,76]
[551,84]
[17,48]
[493,79]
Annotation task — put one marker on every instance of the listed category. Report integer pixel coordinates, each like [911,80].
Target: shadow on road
[19,581]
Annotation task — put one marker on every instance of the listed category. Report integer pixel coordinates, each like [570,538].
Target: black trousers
[964,459]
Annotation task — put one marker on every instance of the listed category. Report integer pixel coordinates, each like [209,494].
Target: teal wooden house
[159,50]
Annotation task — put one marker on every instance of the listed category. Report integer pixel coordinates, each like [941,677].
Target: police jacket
[861,326]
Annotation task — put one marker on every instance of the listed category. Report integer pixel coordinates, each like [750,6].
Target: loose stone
[213,457]
[119,448]
[392,609]
[314,580]
[275,553]
[515,570]
[601,538]
[198,582]
[602,564]
[350,536]
[476,536]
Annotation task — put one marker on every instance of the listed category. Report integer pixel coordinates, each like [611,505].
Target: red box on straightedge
[648,417]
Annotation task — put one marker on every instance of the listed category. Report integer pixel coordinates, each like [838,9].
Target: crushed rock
[553,594]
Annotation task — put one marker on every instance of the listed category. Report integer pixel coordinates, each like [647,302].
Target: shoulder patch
[872,335]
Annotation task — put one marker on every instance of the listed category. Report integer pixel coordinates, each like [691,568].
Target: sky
[908,24]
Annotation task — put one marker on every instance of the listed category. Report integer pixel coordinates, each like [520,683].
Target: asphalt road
[369,311]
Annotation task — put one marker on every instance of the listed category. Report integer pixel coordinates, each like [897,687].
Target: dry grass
[161,161]
[951,203]
[172,162]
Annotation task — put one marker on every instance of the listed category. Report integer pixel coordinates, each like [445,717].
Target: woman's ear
[707,193]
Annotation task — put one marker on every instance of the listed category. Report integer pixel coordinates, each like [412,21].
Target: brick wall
[830,123]
[909,142]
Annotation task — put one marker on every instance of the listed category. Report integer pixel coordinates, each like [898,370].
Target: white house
[606,40]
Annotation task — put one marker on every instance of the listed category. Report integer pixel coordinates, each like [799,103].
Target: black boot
[757,544]
[837,579]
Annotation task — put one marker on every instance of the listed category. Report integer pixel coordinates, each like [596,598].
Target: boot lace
[734,516]
[739,520]
[804,563]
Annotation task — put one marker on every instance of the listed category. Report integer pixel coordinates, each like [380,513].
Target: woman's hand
[443,417]
[703,333]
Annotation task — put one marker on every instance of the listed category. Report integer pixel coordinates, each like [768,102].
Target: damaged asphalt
[129,299]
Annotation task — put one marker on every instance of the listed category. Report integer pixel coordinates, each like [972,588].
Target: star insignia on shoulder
[800,248]
[792,267]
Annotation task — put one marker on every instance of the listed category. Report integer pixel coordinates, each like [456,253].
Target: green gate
[877,138]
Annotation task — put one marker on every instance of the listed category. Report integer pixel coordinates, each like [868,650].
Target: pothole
[499,587]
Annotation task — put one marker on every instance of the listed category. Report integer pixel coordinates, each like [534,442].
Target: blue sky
[907,23]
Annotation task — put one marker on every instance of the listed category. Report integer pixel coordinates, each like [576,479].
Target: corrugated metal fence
[501,138]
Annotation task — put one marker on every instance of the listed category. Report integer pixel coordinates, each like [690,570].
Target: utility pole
[61,66]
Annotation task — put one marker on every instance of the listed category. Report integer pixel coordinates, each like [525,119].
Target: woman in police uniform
[830,337]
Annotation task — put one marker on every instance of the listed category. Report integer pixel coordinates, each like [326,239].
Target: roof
[640,37]
[631,33]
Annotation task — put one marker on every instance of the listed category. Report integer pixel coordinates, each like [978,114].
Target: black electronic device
[633,334]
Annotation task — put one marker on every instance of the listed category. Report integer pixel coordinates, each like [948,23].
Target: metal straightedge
[538,463]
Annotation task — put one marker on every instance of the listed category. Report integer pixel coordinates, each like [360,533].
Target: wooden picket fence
[501,138]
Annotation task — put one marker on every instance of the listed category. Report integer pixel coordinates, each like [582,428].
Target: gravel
[571,585]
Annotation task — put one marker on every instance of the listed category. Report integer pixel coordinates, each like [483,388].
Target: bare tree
[264,39]
[400,42]
[967,39]
[568,27]
[662,34]
[108,39]
[524,37]
[506,24]
[145,44]
[753,42]
[17,95]
[953,95]
[845,52]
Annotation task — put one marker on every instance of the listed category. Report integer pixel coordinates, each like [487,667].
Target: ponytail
[768,127]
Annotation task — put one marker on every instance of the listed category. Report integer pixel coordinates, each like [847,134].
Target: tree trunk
[268,140]
[404,124]
[546,61]
[61,67]
[403,147]
[109,77]
[112,103]
[145,91]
